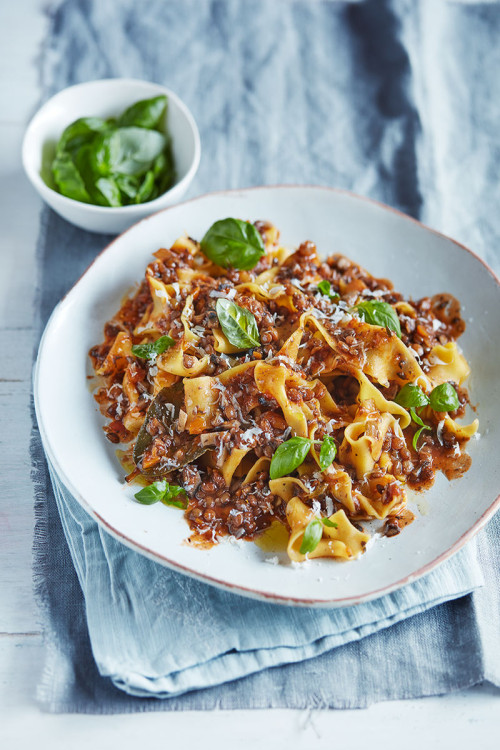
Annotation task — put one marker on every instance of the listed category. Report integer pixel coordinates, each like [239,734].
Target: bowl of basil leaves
[104,154]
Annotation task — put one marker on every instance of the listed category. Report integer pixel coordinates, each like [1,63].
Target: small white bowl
[107,98]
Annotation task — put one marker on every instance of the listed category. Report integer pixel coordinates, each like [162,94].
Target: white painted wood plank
[23,26]
[19,216]
[450,723]
[19,210]
[17,607]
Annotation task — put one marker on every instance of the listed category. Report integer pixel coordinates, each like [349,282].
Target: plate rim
[204,577]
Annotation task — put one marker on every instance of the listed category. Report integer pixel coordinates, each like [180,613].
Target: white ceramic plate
[418,260]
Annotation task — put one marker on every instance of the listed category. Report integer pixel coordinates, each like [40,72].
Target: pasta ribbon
[341,540]
[368,392]
[448,364]
[200,398]
[172,361]
[364,438]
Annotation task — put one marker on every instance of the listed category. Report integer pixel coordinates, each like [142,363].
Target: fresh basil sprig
[153,350]
[238,324]
[312,536]
[330,524]
[325,288]
[327,453]
[444,398]
[145,114]
[80,132]
[379,313]
[422,425]
[163,492]
[417,419]
[68,178]
[416,436]
[232,243]
[288,456]
[116,162]
[411,395]
[313,533]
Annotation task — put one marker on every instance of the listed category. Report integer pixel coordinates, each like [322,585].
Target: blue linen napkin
[282,92]
[157,633]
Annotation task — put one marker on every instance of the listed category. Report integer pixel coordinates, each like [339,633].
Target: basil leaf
[150,351]
[128,150]
[417,435]
[146,189]
[164,170]
[145,114]
[417,419]
[68,179]
[81,131]
[123,152]
[312,536]
[151,494]
[444,398]
[411,395]
[326,289]
[288,456]
[127,184]
[330,524]
[163,492]
[171,496]
[232,243]
[379,313]
[83,161]
[327,453]
[238,324]
[110,191]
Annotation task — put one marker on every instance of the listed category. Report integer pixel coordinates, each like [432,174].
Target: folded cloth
[289,91]
[157,633]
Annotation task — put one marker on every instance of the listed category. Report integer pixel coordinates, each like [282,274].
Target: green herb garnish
[417,419]
[379,313]
[163,492]
[325,288]
[69,179]
[232,243]
[330,524]
[444,398]
[327,453]
[417,435]
[422,425]
[312,536]
[411,395]
[288,456]
[116,162]
[153,350]
[238,324]
[145,114]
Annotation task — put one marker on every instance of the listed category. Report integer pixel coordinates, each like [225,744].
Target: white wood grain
[430,722]
[23,25]
[456,721]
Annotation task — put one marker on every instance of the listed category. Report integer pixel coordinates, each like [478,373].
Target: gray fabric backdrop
[395,100]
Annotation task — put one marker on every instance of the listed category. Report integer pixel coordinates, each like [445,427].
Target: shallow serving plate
[418,260]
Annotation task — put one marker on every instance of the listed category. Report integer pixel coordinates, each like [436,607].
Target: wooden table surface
[453,721]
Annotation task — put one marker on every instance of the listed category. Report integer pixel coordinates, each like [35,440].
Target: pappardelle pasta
[257,384]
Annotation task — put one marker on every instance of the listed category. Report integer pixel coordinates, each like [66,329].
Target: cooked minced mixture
[254,383]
